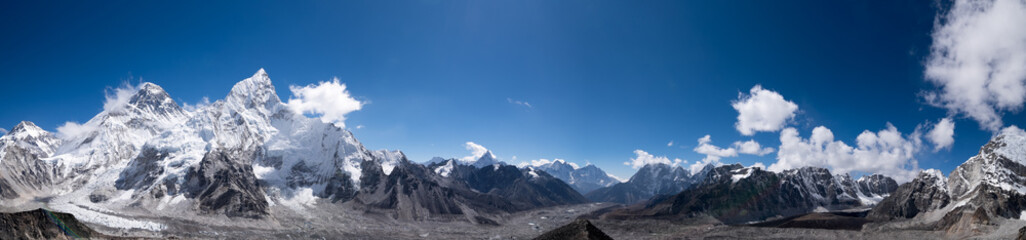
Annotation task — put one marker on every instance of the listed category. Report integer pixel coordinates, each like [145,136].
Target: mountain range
[240,157]
[249,156]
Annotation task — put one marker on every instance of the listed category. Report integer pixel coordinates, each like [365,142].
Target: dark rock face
[735,195]
[412,192]
[1022,234]
[142,171]
[877,184]
[525,188]
[43,224]
[926,192]
[580,229]
[651,180]
[836,220]
[223,183]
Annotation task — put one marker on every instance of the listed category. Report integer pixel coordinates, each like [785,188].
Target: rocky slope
[990,185]
[651,180]
[43,224]
[734,194]
[583,179]
[580,229]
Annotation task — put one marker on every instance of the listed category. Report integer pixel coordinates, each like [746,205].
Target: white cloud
[540,162]
[476,151]
[942,135]
[330,100]
[670,144]
[759,165]
[886,152]
[193,107]
[752,147]
[118,97]
[71,130]
[644,158]
[978,60]
[762,111]
[518,102]
[705,147]
[713,154]
[615,177]
[3,131]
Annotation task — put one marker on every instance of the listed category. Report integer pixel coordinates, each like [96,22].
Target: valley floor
[340,223]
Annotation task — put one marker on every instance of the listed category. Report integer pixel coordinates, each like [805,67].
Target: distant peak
[24,126]
[26,129]
[260,72]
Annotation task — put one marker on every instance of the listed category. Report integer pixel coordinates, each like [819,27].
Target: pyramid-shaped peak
[152,97]
[26,127]
[254,91]
[260,73]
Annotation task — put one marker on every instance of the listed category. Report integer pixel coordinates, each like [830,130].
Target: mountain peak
[255,91]
[26,128]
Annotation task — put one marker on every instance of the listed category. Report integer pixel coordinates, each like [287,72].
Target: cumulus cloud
[886,152]
[644,158]
[712,153]
[518,102]
[752,147]
[942,135]
[762,111]
[476,151]
[978,60]
[330,100]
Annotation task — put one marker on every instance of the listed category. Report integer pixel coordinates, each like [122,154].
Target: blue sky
[603,78]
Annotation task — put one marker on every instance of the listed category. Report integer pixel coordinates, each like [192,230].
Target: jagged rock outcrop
[927,192]
[43,224]
[651,180]
[580,229]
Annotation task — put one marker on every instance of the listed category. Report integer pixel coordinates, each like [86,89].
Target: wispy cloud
[518,102]
[476,151]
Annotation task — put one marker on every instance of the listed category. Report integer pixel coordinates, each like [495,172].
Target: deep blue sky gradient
[604,77]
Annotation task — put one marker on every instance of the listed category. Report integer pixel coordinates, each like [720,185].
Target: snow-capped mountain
[991,184]
[737,194]
[525,187]
[927,192]
[649,181]
[242,156]
[21,172]
[583,179]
